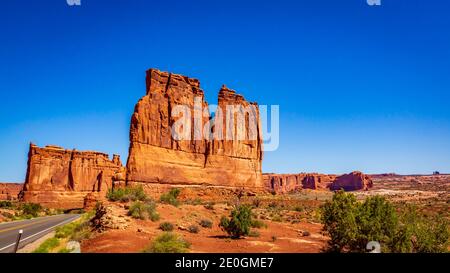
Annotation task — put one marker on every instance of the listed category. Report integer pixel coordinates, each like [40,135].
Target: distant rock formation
[156,157]
[283,183]
[10,191]
[62,178]
[352,182]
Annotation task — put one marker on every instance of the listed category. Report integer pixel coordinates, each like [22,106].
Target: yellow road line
[22,226]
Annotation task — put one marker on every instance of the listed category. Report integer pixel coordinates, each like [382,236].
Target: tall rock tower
[222,151]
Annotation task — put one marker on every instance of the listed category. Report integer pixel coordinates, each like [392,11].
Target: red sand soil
[277,237]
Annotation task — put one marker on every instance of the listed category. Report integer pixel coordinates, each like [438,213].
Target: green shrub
[168,243]
[77,230]
[206,223]
[351,225]
[277,218]
[31,209]
[420,234]
[258,224]
[47,245]
[166,226]
[66,230]
[171,197]
[253,233]
[64,250]
[144,210]
[127,194]
[238,224]
[6,204]
[193,229]
[82,232]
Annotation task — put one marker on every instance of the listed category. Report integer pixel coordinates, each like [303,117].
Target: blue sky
[359,87]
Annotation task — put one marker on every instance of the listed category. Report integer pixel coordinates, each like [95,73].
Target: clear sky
[359,87]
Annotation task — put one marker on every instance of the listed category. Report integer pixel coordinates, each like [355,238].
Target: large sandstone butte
[283,183]
[10,191]
[157,158]
[62,178]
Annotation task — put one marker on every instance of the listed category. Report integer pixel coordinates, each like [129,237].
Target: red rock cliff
[10,191]
[283,183]
[156,156]
[61,178]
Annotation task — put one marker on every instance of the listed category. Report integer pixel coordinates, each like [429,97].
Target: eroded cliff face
[60,178]
[159,156]
[10,191]
[283,183]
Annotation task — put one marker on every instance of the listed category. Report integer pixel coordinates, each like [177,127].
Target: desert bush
[351,225]
[47,245]
[420,234]
[239,222]
[126,194]
[31,209]
[77,230]
[277,218]
[206,223]
[82,232]
[168,243]
[171,197]
[193,229]
[6,204]
[66,230]
[144,210]
[258,224]
[256,202]
[166,226]
[253,233]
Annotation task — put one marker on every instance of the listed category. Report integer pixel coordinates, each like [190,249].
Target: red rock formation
[10,191]
[157,157]
[352,181]
[61,178]
[283,183]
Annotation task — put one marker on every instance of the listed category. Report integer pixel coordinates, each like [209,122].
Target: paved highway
[33,229]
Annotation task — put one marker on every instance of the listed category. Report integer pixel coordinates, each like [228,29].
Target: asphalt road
[33,229]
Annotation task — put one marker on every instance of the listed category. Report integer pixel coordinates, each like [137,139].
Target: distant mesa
[284,183]
[10,191]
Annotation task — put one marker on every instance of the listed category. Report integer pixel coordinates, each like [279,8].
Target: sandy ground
[277,237]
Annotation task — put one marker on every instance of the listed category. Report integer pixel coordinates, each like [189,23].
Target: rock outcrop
[62,178]
[283,183]
[10,191]
[352,181]
[197,154]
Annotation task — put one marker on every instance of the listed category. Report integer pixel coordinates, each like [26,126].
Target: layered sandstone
[160,155]
[62,178]
[10,191]
[352,181]
[283,183]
